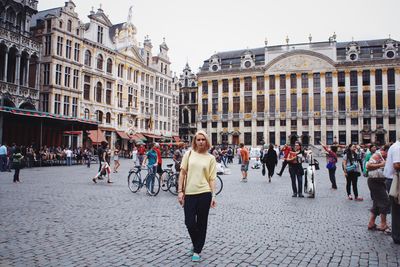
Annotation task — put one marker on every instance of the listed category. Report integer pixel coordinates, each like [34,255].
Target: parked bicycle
[151,181]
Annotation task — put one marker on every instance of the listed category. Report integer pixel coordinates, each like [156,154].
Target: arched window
[60,24]
[100,62]
[10,17]
[99,116]
[69,25]
[185,116]
[108,117]
[109,65]
[88,58]
[99,91]
[87,114]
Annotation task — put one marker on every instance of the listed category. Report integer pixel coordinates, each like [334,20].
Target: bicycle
[164,177]
[151,181]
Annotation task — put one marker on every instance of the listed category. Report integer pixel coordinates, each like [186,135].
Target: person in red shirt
[140,153]
[159,159]
[286,150]
[244,153]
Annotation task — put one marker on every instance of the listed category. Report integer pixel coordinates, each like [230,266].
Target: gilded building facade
[98,70]
[318,91]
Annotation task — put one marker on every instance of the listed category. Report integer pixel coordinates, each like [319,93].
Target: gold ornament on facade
[366,88]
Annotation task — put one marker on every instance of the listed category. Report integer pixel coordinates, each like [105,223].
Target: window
[47,45]
[88,58]
[236,85]
[74,107]
[378,77]
[391,97]
[341,79]
[87,114]
[99,116]
[99,62]
[215,87]
[342,121]
[282,122]
[390,77]
[108,93]
[100,34]
[45,102]
[305,106]
[121,72]
[260,123]
[69,25]
[77,50]
[328,79]
[293,81]
[247,139]
[342,137]
[119,95]
[366,77]
[260,138]
[58,74]
[68,49]
[392,120]
[236,104]
[304,122]
[354,100]
[329,122]
[67,76]
[248,104]
[108,117]
[317,102]
[271,82]
[379,121]
[342,101]
[367,121]
[354,121]
[271,123]
[272,137]
[214,108]
[329,102]
[225,86]
[260,103]
[282,138]
[57,104]
[235,124]
[272,104]
[353,78]
[109,65]
[60,41]
[247,84]
[214,124]
[66,105]
[86,87]
[225,105]
[203,125]
[99,92]
[46,74]
[354,137]
[260,83]
[366,100]
[316,82]
[48,25]
[379,98]
[293,123]
[75,82]
[282,101]
[304,80]
[282,81]
[317,121]
[317,137]
[293,103]
[329,138]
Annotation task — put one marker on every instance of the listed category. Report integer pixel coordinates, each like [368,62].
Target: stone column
[335,104]
[219,112]
[266,109]
[288,106]
[26,76]
[397,84]
[199,104]
[17,68]
[209,108]
[37,76]
[348,105]
[241,111]
[373,102]
[360,107]
[323,108]
[230,108]
[385,102]
[254,111]
[277,111]
[299,106]
[5,67]
[311,113]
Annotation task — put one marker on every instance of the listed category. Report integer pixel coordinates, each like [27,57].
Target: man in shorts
[244,154]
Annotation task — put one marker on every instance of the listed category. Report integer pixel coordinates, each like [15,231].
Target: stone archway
[27,105]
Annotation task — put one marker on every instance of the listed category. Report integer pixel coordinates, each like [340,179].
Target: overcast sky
[194,30]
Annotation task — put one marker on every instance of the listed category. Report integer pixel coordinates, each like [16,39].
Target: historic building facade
[98,70]
[19,56]
[187,104]
[323,91]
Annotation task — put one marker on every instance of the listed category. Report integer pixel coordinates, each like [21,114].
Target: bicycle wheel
[164,180]
[152,185]
[218,185]
[173,184]
[134,181]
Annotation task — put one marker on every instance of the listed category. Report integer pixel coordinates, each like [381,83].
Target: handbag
[330,165]
[351,167]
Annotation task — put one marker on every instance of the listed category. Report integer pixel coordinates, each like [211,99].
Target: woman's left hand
[213,203]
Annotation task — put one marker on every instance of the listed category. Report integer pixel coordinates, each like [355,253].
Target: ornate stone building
[19,56]
[98,70]
[187,104]
[329,91]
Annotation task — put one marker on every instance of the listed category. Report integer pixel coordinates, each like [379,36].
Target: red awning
[73,132]
[177,139]
[152,136]
[97,136]
[123,135]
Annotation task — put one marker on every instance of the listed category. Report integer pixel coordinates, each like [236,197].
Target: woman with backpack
[17,163]
[351,171]
[332,159]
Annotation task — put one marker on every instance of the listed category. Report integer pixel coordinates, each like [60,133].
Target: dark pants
[351,179]
[379,195]
[271,169]
[395,221]
[16,175]
[3,163]
[196,217]
[295,173]
[332,177]
[283,167]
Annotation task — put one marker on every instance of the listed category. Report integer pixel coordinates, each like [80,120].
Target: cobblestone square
[58,217]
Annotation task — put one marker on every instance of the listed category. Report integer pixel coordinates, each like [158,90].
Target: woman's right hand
[181,198]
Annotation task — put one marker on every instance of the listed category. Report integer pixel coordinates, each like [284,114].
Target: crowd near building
[94,71]
[345,92]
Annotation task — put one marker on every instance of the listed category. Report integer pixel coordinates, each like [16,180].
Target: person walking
[141,153]
[159,158]
[296,170]
[3,157]
[245,156]
[17,163]
[351,171]
[270,159]
[331,159]
[135,156]
[392,174]
[286,150]
[88,156]
[196,190]
[377,187]
[104,163]
[68,155]
[151,159]
[116,159]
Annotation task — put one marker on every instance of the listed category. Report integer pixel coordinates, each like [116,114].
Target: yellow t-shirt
[202,170]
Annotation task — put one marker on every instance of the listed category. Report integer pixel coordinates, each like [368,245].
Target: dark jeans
[150,178]
[295,173]
[196,210]
[395,221]
[271,170]
[332,177]
[16,175]
[3,163]
[351,179]
[283,167]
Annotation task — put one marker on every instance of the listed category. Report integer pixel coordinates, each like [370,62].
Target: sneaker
[279,174]
[301,195]
[196,257]
[350,197]
[294,195]
[245,180]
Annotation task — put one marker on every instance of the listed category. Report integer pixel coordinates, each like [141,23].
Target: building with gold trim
[330,91]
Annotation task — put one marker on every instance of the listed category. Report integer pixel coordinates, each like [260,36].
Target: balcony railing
[19,38]
[19,90]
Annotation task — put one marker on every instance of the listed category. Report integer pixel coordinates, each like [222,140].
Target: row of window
[304,103]
[69,108]
[304,80]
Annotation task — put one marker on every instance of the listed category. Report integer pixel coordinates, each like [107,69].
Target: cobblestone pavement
[58,217]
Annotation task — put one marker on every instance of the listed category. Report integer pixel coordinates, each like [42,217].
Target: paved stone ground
[58,217]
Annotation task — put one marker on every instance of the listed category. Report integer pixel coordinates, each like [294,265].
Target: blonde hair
[208,143]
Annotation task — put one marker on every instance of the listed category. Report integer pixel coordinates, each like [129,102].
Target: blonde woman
[196,191]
